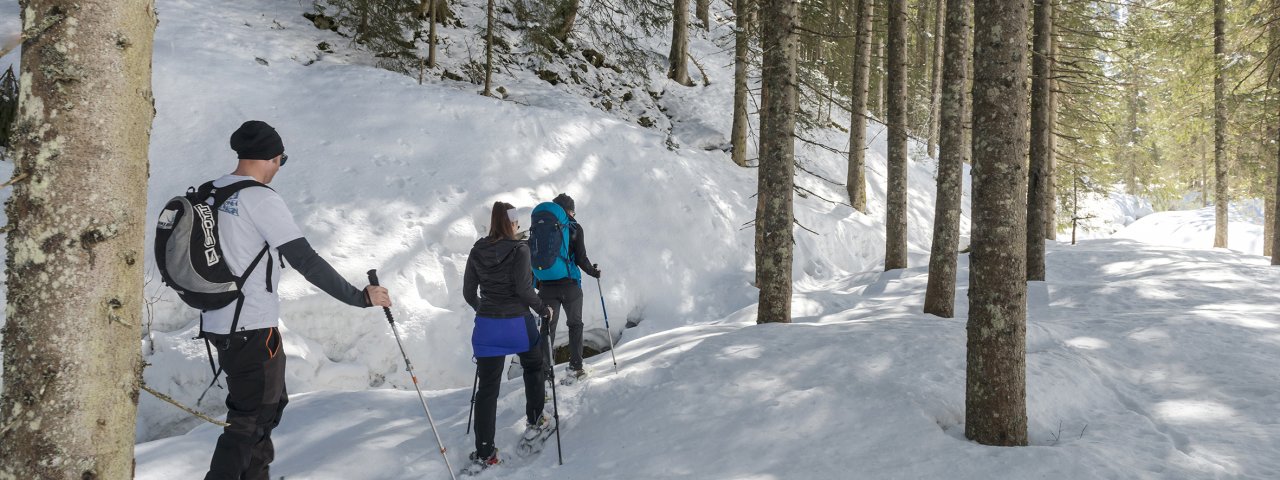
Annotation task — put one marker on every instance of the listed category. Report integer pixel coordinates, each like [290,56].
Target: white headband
[512,215]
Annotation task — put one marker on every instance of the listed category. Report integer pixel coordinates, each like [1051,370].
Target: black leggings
[489,378]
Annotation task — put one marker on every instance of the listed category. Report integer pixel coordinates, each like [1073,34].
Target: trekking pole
[607,331]
[551,370]
[373,280]
[475,381]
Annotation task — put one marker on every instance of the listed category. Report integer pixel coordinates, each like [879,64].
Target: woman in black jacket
[498,266]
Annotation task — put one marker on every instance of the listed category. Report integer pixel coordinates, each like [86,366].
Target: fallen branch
[183,407]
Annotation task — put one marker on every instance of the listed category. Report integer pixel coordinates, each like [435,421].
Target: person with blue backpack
[558,246]
[498,270]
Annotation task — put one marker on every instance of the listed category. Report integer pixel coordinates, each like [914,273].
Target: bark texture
[741,94]
[1220,198]
[488,52]
[935,78]
[567,17]
[774,217]
[1041,132]
[72,363]
[703,12]
[895,256]
[940,295]
[857,178]
[1051,156]
[995,386]
[679,65]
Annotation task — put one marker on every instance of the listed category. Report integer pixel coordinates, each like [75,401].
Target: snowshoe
[535,436]
[572,376]
[478,465]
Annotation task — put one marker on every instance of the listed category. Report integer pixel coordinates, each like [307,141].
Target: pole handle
[373,280]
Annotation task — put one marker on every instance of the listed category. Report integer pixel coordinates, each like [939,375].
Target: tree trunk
[1275,225]
[1051,155]
[935,79]
[857,178]
[1273,130]
[488,52]
[917,102]
[1220,199]
[423,7]
[995,387]
[940,295]
[1037,181]
[703,11]
[1130,156]
[568,16]
[431,50]
[895,255]
[679,66]
[881,61]
[71,361]
[741,93]
[774,219]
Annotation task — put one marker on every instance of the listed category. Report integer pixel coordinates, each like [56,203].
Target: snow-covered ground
[1195,229]
[1142,362]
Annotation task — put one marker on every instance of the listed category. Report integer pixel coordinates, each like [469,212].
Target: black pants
[489,378]
[570,297]
[253,361]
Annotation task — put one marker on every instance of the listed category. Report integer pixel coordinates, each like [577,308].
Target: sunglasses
[283,158]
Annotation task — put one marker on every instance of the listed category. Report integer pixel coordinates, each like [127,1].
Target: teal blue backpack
[549,240]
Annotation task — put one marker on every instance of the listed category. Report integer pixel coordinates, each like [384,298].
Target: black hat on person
[255,140]
[564,201]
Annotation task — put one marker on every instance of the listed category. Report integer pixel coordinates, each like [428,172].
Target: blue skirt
[497,337]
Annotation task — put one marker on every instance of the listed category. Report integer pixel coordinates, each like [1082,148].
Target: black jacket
[500,271]
[578,249]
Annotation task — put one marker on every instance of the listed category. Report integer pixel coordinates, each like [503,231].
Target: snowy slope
[387,174]
[1195,229]
[1143,362]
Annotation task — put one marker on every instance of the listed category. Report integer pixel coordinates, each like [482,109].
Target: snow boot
[573,375]
[478,464]
[535,436]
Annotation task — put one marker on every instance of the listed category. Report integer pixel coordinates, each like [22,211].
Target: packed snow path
[1143,362]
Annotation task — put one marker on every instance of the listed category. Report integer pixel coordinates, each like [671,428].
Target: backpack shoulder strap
[222,194]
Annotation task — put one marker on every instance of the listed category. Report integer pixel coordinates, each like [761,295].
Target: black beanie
[565,202]
[255,140]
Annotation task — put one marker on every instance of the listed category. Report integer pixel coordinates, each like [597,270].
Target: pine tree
[1041,132]
[1051,154]
[1273,201]
[896,208]
[679,66]
[774,217]
[856,182]
[995,383]
[488,51]
[940,294]
[935,78]
[565,16]
[71,362]
[1220,198]
[744,9]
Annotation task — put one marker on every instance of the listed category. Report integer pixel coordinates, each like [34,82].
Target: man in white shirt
[257,232]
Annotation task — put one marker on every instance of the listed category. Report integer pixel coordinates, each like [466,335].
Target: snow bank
[1103,214]
[1195,229]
